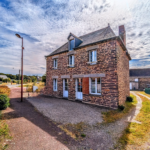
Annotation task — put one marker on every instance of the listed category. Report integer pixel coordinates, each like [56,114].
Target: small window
[72,44]
[93,56]
[54,84]
[95,86]
[136,80]
[71,60]
[55,63]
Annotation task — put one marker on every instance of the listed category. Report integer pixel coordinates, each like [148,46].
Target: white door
[65,87]
[79,94]
[130,86]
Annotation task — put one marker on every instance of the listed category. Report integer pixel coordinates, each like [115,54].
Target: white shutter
[72,60]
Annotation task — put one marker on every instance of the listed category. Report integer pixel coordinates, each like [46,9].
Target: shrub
[121,107]
[147,90]
[129,99]
[4,101]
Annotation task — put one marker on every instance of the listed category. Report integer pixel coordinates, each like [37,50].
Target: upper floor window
[54,84]
[55,63]
[95,86]
[71,60]
[72,44]
[93,56]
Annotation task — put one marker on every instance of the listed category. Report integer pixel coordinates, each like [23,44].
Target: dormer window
[72,44]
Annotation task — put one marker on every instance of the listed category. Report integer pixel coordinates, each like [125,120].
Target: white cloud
[46,25]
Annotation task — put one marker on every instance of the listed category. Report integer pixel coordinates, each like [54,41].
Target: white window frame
[72,62]
[94,58]
[55,62]
[90,83]
[54,84]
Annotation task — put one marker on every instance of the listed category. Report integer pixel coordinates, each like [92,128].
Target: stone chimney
[122,34]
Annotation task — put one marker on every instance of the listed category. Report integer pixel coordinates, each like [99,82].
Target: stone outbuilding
[93,68]
[139,79]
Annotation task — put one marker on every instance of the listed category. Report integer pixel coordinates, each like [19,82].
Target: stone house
[93,68]
[139,79]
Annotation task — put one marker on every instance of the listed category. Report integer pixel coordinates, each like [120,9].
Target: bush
[129,99]
[147,90]
[4,101]
[121,107]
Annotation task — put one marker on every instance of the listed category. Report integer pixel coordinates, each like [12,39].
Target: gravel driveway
[64,111]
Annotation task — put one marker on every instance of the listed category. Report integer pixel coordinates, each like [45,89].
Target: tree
[6,80]
[44,78]
[1,79]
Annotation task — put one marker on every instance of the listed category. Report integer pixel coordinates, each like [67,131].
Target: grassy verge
[135,134]
[4,133]
[4,90]
[76,131]
[113,115]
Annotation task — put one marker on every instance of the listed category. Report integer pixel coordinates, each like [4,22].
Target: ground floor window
[95,86]
[54,84]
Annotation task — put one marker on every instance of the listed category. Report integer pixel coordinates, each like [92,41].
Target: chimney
[122,34]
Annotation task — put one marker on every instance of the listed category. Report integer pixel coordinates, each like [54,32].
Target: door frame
[76,90]
[64,88]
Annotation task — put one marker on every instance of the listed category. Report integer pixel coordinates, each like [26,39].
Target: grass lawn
[113,115]
[135,135]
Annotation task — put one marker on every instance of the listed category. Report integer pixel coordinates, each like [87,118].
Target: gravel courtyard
[65,111]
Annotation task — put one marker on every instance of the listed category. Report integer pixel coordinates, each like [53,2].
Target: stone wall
[123,74]
[106,64]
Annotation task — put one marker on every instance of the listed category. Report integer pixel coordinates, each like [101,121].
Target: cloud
[46,24]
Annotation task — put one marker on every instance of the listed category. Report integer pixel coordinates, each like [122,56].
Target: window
[72,44]
[71,60]
[55,63]
[95,86]
[54,84]
[93,56]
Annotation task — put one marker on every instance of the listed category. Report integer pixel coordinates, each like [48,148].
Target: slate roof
[89,38]
[3,76]
[140,72]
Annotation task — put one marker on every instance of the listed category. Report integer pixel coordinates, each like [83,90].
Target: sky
[46,24]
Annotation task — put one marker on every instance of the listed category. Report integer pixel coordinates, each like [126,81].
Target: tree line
[16,77]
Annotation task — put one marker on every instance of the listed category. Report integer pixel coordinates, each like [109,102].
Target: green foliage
[7,80]
[129,99]
[4,101]
[1,79]
[83,135]
[147,90]
[121,107]
[44,78]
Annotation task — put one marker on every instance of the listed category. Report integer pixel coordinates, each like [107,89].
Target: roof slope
[92,37]
[3,76]
[139,72]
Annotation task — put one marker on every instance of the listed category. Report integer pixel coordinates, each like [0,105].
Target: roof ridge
[92,32]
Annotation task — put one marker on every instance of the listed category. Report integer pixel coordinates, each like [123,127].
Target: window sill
[54,91]
[54,68]
[92,63]
[70,66]
[92,94]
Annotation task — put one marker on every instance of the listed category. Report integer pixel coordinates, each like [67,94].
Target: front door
[79,94]
[65,87]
